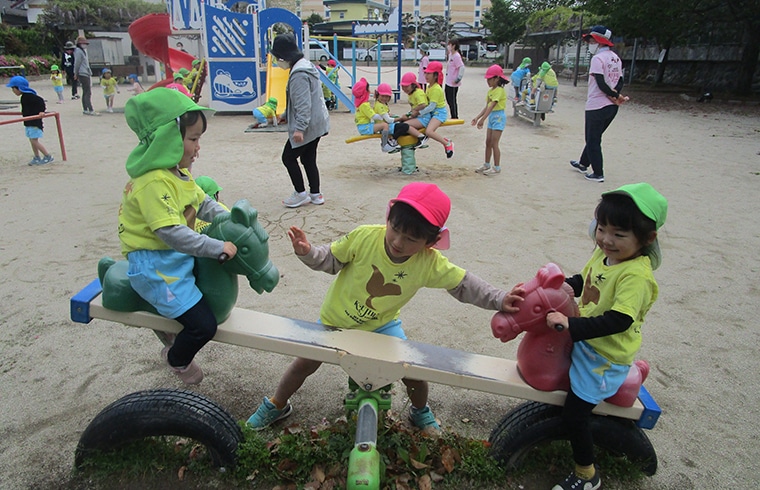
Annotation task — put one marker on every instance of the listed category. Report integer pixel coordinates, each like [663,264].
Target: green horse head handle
[217,281]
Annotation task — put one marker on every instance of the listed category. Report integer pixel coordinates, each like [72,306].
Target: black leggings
[308,155]
[576,417]
[200,327]
[451,100]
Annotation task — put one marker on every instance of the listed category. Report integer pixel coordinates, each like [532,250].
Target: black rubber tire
[163,412]
[533,424]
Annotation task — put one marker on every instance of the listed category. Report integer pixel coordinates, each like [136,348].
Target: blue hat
[105,70]
[132,76]
[20,83]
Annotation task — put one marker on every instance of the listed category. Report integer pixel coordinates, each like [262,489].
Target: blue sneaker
[595,177]
[578,166]
[47,159]
[267,414]
[424,420]
[36,161]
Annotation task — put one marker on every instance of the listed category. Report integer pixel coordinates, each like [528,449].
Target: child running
[56,77]
[617,288]
[31,105]
[383,95]
[379,270]
[136,87]
[493,112]
[159,208]
[110,88]
[435,114]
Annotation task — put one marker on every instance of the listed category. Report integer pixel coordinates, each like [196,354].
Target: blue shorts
[497,120]
[592,377]
[58,88]
[260,118]
[392,328]
[368,128]
[442,114]
[33,132]
[164,278]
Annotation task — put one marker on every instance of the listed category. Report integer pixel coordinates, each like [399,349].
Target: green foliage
[506,21]
[33,65]
[556,19]
[102,13]
[313,19]
[26,41]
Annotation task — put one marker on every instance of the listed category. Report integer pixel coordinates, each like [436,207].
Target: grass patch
[317,458]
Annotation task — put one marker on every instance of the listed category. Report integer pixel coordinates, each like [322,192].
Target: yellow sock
[585,472]
[278,406]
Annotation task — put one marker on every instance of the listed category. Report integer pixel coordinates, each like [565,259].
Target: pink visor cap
[432,203]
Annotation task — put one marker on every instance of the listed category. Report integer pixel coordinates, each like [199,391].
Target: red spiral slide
[150,36]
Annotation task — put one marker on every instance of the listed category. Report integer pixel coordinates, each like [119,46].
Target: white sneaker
[317,198]
[296,199]
[109,110]
[493,171]
[388,147]
[482,169]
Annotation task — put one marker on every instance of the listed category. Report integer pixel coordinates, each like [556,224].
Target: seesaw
[372,362]
[406,146]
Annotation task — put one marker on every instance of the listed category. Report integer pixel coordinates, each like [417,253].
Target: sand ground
[701,336]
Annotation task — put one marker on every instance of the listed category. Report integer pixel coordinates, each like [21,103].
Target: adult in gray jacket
[307,119]
[83,75]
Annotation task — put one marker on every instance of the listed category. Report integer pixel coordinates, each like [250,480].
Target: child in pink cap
[396,128]
[493,112]
[415,96]
[379,270]
[435,114]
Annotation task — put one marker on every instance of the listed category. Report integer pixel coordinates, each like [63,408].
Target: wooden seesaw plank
[362,137]
[372,360]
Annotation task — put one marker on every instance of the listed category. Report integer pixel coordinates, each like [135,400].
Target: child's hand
[556,319]
[230,249]
[516,295]
[480,124]
[474,122]
[301,245]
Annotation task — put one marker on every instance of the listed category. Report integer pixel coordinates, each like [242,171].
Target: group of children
[427,111]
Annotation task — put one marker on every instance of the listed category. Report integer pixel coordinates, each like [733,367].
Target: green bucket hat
[209,185]
[654,206]
[54,68]
[525,62]
[184,72]
[154,117]
[272,102]
[544,68]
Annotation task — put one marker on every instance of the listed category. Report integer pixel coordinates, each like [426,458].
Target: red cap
[495,71]
[432,203]
[384,89]
[332,63]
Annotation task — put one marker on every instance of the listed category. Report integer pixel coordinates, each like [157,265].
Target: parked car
[388,52]
[316,52]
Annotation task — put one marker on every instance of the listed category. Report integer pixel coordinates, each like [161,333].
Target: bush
[33,65]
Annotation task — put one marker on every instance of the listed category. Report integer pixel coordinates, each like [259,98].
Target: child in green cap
[545,78]
[212,189]
[617,288]
[57,78]
[265,114]
[159,207]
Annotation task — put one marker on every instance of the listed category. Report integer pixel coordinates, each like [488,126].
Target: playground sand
[700,337]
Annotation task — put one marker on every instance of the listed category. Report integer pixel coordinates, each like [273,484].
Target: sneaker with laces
[493,171]
[387,147]
[594,177]
[267,414]
[35,161]
[578,166]
[296,199]
[574,482]
[424,420]
[423,141]
[317,198]
[190,374]
[482,169]
[449,148]
[47,159]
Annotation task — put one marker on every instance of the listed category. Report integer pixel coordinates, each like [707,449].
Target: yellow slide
[277,82]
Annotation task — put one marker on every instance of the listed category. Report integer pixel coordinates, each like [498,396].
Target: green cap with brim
[209,185]
[184,72]
[272,102]
[544,68]
[654,206]
[154,117]
[525,62]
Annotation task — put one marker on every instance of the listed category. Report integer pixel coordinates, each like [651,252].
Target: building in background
[467,11]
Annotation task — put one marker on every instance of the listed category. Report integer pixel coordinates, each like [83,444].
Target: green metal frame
[364,460]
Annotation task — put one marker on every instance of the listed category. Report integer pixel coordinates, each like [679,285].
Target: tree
[314,19]
[550,27]
[506,21]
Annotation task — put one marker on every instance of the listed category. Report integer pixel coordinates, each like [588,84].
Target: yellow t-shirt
[266,111]
[499,95]
[417,98]
[364,114]
[629,288]
[153,200]
[371,289]
[381,108]
[435,94]
[109,85]
[57,79]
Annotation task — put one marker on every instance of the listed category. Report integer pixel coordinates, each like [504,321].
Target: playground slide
[149,35]
[277,82]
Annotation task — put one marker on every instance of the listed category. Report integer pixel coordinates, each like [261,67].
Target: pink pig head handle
[544,293]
